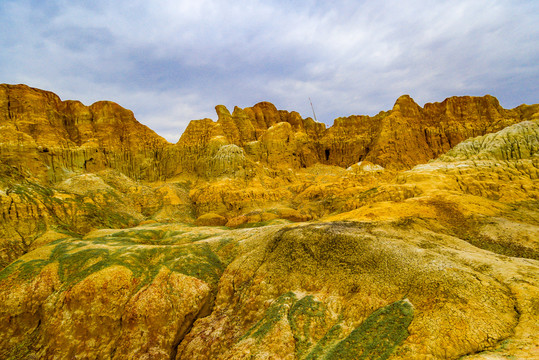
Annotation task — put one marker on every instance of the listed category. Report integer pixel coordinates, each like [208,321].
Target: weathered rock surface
[320,291]
[33,214]
[315,291]
[400,138]
[106,297]
[519,141]
[267,235]
[50,137]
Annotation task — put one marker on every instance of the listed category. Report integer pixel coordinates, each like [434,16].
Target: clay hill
[412,234]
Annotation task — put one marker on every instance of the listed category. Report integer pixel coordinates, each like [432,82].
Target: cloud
[172,61]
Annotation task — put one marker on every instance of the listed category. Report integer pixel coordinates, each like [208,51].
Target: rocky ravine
[379,259]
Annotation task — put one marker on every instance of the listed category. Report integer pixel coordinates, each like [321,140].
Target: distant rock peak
[105,135]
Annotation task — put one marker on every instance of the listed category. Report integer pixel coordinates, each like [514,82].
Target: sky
[172,61]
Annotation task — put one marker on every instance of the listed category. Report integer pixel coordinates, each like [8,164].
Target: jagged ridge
[53,138]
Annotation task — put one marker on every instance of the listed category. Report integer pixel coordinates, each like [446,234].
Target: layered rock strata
[53,138]
[397,139]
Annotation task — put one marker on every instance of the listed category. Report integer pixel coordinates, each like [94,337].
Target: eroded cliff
[54,139]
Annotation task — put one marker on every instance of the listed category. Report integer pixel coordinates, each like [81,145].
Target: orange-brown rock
[275,137]
[108,306]
[400,138]
[51,137]
[412,135]
[409,135]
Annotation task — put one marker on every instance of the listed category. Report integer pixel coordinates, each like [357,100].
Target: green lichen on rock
[303,315]
[324,345]
[77,259]
[27,270]
[378,336]
[275,313]
[150,236]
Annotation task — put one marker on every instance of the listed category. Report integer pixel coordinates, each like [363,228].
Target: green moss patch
[150,236]
[26,269]
[275,313]
[75,214]
[324,345]
[303,315]
[378,336]
[77,259]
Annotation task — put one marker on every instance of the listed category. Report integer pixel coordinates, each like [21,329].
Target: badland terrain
[412,234]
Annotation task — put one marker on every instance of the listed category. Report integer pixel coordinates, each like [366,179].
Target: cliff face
[397,139]
[50,137]
[412,135]
[53,138]
[276,138]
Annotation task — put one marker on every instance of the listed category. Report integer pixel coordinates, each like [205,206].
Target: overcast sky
[172,61]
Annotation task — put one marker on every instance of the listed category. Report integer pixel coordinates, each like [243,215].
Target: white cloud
[171,61]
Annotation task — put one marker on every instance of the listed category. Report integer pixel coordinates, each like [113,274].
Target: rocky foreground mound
[267,236]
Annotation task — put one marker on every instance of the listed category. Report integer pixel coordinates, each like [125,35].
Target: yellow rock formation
[413,234]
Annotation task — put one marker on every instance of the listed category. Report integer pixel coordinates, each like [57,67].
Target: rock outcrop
[334,291]
[325,290]
[519,141]
[52,138]
[397,139]
[117,300]
[33,215]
